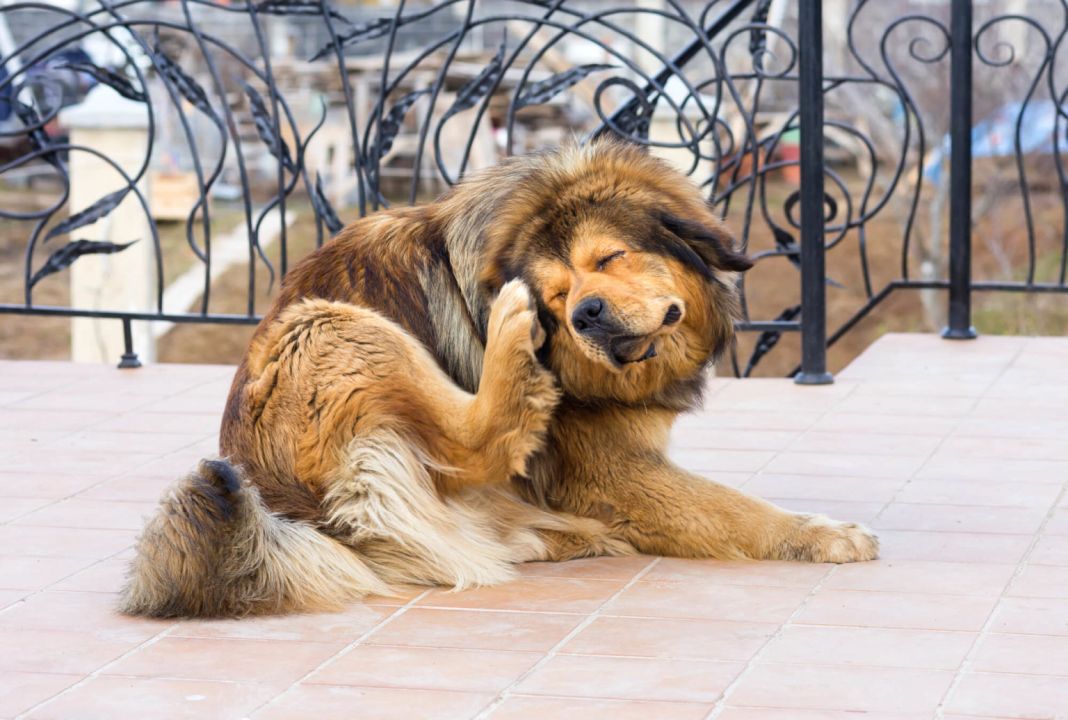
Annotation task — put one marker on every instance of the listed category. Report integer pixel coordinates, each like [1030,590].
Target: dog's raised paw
[514,318]
[821,539]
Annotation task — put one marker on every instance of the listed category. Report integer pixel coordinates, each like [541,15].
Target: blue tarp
[995,136]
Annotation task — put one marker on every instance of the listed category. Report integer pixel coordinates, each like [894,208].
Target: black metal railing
[813,322]
[416,95]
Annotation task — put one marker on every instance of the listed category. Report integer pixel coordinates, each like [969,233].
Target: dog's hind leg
[533,532]
[353,372]
[506,422]
[383,503]
[512,378]
[582,538]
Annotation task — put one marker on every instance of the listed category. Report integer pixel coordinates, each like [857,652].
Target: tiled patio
[957,453]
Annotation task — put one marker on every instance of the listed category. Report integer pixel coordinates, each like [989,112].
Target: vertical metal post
[129,357]
[960,178]
[813,272]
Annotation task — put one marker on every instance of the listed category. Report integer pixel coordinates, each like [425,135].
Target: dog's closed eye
[603,262]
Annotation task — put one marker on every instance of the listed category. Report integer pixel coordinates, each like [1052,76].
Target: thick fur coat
[444,391]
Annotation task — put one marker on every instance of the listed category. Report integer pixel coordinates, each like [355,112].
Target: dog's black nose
[587,316]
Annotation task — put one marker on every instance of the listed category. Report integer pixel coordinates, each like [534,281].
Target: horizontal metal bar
[768,326]
[120,315]
[983,286]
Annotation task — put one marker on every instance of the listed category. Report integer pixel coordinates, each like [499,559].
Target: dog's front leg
[663,510]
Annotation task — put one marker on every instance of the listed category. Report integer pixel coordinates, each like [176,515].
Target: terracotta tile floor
[957,453]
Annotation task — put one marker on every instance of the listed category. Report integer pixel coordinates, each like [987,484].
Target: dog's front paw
[820,539]
[513,321]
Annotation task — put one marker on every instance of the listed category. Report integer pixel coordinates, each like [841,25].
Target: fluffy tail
[214,550]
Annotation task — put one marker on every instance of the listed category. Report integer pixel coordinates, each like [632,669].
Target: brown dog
[444,391]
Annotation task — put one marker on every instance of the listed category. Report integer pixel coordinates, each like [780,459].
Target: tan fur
[213,549]
[420,406]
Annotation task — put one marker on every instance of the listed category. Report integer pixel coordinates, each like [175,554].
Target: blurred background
[252,130]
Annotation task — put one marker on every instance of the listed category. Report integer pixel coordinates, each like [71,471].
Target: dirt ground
[24,336]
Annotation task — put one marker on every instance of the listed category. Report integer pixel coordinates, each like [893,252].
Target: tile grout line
[941,442]
[552,652]
[969,657]
[984,631]
[63,434]
[342,652]
[775,453]
[96,673]
[56,388]
[751,664]
[51,585]
[106,479]
[914,473]
[137,409]
[956,424]
[938,713]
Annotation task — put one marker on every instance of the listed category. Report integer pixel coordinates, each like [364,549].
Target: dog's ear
[702,246]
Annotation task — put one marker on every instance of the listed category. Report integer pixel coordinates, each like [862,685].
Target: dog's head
[633,273]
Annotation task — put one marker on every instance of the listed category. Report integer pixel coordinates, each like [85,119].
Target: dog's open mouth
[632,349]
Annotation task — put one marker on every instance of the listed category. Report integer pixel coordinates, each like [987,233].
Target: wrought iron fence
[418,88]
